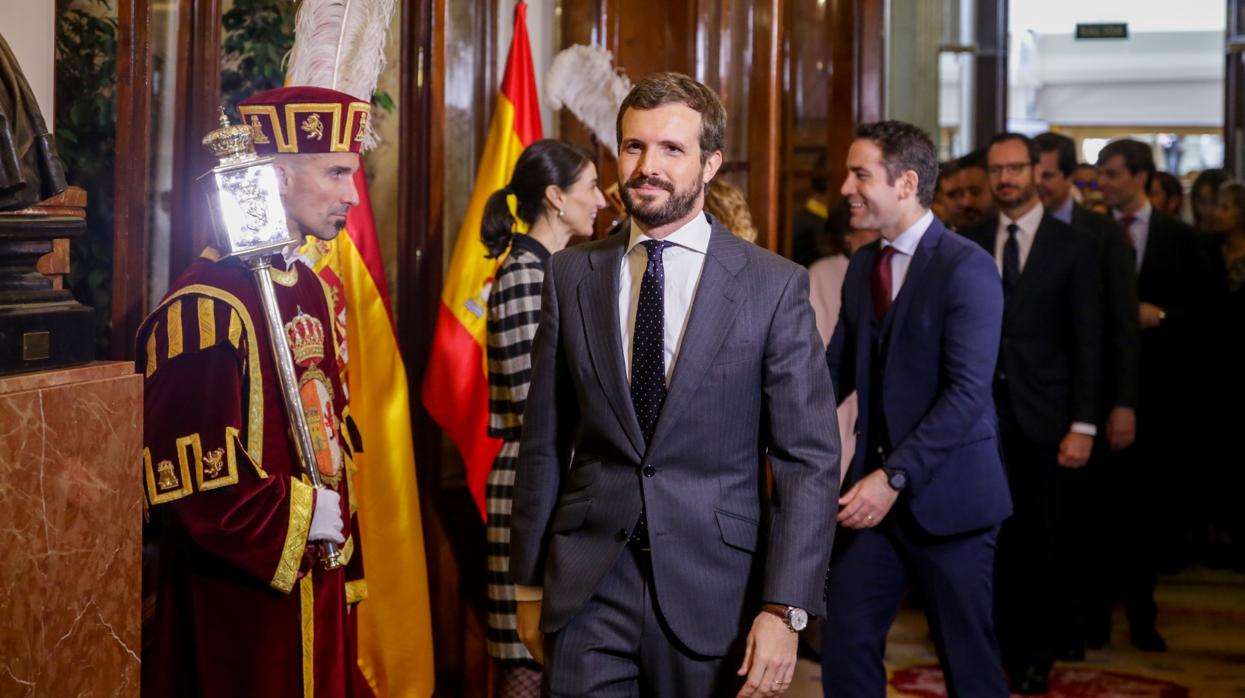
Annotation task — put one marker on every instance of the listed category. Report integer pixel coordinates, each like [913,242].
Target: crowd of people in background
[1136,323]
[1026,441]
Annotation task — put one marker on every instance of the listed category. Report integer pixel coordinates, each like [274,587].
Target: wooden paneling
[869,39]
[453,533]
[990,113]
[765,120]
[198,97]
[1234,91]
[133,174]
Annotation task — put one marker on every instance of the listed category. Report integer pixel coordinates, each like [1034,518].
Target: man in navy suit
[924,496]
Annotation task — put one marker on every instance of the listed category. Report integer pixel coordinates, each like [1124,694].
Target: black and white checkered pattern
[513,314]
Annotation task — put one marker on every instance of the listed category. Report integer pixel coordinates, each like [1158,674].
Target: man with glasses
[1046,388]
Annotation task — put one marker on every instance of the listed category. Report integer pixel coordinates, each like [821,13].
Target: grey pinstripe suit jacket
[750,381]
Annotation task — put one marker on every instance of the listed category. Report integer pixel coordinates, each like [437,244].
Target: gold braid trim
[255,403]
[174,327]
[347,550]
[302,498]
[307,609]
[356,591]
[207,323]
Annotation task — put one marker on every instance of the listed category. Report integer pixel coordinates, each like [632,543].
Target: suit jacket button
[621,535]
[649,471]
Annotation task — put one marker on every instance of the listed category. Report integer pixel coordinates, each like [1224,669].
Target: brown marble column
[70,518]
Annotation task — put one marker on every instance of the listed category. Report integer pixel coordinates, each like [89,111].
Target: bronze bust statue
[30,169]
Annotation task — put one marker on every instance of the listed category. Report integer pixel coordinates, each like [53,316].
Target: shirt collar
[1028,223]
[694,235]
[1064,212]
[909,239]
[1142,214]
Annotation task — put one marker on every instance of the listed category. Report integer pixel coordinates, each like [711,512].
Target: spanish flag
[394,623]
[455,388]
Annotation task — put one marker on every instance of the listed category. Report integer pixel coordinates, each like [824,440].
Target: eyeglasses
[1013,168]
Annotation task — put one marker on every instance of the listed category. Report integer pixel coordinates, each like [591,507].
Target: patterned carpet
[1201,614]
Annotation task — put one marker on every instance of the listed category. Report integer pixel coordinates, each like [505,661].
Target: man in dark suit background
[1081,514]
[1147,499]
[1046,391]
[968,191]
[917,339]
[671,359]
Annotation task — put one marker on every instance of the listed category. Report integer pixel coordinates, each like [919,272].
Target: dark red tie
[882,282]
[1127,221]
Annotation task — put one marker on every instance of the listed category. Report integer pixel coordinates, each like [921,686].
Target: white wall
[30,30]
[1159,79]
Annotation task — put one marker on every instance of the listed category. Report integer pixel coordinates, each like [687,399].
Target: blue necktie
[1011,259]
[648,354]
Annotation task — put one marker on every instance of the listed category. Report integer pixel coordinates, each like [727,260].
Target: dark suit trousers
[1028,582]
[1130,487]
[868,576]
[618,646]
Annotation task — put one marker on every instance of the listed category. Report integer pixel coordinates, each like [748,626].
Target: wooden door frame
[133,176]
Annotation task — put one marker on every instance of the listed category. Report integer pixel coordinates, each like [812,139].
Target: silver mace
[330,556]
[249,221]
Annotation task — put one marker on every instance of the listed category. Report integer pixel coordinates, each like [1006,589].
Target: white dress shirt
[1139,231]
[905,246]
[1028,224]
[683,262]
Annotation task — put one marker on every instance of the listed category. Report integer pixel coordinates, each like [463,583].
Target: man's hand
[1074,450]
[527,619]
[867,502]
[1121,428]
[769,660]
[1149,315]
[326,519]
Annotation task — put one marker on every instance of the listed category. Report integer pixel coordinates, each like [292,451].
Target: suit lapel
[863,319]
[598,302]
[1041,256]
[713,310]
[1153,251]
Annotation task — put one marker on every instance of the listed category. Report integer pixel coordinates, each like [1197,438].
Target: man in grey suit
[672,358]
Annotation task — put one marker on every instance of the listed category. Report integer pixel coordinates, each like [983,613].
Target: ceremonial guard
[244,605]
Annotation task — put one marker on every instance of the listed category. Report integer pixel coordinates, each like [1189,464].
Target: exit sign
[1102,31]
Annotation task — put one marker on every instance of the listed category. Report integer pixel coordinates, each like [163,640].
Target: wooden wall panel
[198,97]
[765,121]
[133,175]
[990,113]
[453,532]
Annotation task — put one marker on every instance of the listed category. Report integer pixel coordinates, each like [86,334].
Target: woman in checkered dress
[555,193]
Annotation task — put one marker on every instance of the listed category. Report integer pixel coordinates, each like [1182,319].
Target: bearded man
[671,359]
[1047,384]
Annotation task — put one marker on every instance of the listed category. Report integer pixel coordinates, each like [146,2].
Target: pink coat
[825,285]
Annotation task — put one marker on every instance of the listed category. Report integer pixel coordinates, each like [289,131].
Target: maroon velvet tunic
[241,607]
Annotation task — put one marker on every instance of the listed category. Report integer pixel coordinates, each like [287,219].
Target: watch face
[899,480]
[797,618]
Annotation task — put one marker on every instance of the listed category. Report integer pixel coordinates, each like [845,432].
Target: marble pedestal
[71,522]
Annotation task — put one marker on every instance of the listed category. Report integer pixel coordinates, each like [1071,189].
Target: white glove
[326,521]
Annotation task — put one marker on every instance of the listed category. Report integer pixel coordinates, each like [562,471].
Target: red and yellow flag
[455,390]
[394,623]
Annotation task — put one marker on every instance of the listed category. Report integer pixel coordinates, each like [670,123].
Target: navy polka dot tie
[648,352]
